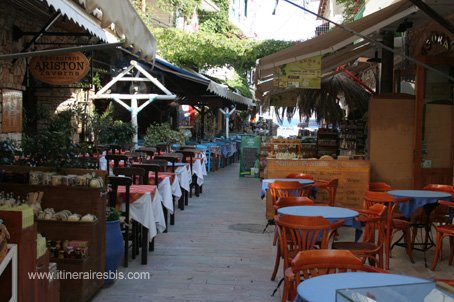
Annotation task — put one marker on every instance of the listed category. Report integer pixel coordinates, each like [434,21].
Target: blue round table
[419,199]
[332,214]
[323,288]
[266,182]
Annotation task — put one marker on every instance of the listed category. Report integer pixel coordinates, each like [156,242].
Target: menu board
[249,158]
[11,110]
[305,73]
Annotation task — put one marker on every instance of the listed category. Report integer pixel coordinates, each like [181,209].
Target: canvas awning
[213,87]
[335,39]
[111,21]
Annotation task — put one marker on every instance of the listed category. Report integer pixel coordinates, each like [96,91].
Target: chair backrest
[379,187]
[154,169]
[171,159]
[374,219]
[116,158]
[440,188]
[164,147]
[285,189]
[312,263]
[138,175]
[114,183]
[162,163]
[371,198]
[149,151]
[330,187]
[298,233]
[293,201]
[300,176]
[187,156]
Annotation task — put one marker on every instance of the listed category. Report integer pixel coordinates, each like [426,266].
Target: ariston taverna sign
[61,69]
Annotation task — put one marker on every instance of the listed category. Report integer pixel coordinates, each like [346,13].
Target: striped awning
[111,21]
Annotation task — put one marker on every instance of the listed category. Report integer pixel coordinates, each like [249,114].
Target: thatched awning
[336,90]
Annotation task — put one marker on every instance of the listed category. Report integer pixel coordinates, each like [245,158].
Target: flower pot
[114,249]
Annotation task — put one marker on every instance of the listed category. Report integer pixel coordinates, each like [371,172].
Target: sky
[289,23]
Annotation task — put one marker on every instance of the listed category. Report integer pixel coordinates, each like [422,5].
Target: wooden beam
[434,15]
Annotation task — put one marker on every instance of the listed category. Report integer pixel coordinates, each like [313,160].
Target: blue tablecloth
[333,214]
[420,198]
[266,183]
[323,288]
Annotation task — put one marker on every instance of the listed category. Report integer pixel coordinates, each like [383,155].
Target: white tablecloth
[197,169]
[149,213]
[165,189]
[184,177]
[176,189]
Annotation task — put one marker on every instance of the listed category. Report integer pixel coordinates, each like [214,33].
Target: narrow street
[215,251]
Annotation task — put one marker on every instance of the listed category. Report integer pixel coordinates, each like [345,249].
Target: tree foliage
[351,8]
[204,50]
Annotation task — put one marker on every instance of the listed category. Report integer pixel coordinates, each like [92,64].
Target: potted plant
[163,134]
[114,244]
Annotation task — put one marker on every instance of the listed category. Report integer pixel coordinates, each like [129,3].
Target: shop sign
[437,39]
[305,73]
[61,69]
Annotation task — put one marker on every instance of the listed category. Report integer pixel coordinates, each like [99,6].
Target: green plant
[109,131]
[351,9]
[112,214]
[8,150]
[162,133]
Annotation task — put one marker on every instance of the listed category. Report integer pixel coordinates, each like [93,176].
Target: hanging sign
[305,73]
[61,69]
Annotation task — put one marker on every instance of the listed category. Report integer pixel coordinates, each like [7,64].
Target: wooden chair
[312,263]
[379,187]
[139,177]
[393,224]
[155,169]
[188,156]
[159,162]
[287,202]
[371,246]
[330,187]
[440,215]
[149,151]
[280,189]
[116,158]
[137,174]
[298,233]
[171,159]
[115,182]
[292,201]
[310,191]
[443,231]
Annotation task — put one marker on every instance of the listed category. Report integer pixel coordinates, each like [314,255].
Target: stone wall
[13,73]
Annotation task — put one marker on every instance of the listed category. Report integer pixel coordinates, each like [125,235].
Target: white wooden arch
[141,76]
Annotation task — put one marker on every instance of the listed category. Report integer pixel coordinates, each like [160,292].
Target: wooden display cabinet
[8,275]
[327,142]
[81,200]
[25,238]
